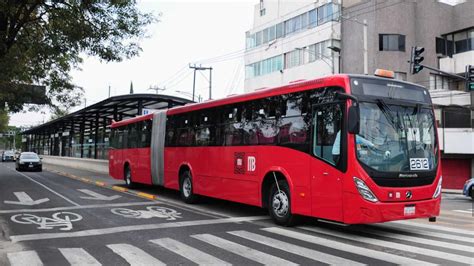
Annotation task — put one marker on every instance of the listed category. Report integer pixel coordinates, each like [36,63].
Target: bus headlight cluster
[364,190]
[438,188]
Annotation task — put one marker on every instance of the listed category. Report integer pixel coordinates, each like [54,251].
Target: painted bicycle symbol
[150,212]
[59,219]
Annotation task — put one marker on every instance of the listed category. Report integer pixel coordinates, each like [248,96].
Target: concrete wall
[99,166]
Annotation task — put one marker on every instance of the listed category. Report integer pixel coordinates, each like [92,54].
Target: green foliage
[4,119]
[42,40]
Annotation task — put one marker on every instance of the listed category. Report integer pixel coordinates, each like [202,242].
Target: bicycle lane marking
[47,188]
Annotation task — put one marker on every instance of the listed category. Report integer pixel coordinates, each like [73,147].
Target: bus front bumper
[360,211]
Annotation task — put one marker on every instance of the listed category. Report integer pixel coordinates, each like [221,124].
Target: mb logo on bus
[245,163]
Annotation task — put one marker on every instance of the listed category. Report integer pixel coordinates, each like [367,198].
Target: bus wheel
[128,177]
[186,186]
[279,204]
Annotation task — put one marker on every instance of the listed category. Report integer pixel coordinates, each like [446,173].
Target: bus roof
[132,120]
[333,80]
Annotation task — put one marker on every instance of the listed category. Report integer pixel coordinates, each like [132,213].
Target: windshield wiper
[388,113]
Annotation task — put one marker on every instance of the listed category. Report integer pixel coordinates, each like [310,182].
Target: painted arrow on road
[24,199]
[96,196]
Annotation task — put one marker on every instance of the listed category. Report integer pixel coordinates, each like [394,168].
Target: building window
[391,42]
[293,58]
[454,43]
[438,82]
[319,50]
[262,8]
[264,67]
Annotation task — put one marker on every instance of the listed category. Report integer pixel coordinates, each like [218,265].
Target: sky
[209,33]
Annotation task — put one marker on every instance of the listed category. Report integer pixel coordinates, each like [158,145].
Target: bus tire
[128,177]
[279,204]
[186,188]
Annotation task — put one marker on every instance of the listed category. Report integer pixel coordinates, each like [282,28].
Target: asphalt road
[56,220]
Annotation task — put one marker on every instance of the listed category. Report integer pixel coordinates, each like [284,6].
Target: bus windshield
[396,138]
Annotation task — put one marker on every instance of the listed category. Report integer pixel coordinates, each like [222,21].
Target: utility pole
[156,89]
[366,59]
[194,67]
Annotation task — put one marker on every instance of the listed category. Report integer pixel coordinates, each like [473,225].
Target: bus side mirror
[353,124]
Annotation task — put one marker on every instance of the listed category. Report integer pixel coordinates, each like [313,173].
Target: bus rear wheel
[186,188]
[128,177]
[279,204]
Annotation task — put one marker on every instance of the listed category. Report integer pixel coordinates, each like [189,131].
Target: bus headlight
[364,190]
[438,188]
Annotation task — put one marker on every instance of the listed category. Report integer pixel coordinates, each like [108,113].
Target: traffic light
[416,59]
[470,78]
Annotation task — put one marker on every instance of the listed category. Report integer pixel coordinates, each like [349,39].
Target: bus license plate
[409,210]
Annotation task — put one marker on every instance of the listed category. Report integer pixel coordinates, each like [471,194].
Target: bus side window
[171,130]
[145,134]
[327,131]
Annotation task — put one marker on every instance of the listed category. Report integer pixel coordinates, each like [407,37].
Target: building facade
[288,42]
[360,36]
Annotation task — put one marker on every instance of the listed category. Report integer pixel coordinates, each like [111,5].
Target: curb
[105,185]
[452,191]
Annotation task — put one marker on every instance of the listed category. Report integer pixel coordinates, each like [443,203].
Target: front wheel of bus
[279,204]
[186,186]
[128,177]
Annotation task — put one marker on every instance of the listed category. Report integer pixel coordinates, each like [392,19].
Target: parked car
[29,161]
[8,156]
[468,189]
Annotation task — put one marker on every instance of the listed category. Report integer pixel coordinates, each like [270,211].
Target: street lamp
[338,51]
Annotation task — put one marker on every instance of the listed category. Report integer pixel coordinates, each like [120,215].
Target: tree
[4,119]
[58,113]
[42,40]
[131,87]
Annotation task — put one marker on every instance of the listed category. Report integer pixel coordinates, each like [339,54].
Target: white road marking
[51,190]
[436,227]
[130,228]
[298,250]
[468,211]
[22,258]
[96,196]
[393,245]
[78,256]
[421,240]
[188,252]
[429,233]
[375,254]
[79,207]
[25,199]
[134,255]
[243,251]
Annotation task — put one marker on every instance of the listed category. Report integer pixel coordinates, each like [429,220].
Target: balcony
[457,63]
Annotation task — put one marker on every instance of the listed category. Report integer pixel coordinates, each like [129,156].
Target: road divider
[105,185]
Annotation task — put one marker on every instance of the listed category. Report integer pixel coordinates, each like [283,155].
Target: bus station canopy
[93,121]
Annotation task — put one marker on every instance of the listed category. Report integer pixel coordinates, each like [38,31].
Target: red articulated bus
[347,148]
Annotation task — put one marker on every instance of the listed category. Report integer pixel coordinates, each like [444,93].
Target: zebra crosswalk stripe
[435,227]
[21,258]
[298,250]
[406,248]
[134,255]
[429,233]
[243,251]
[78,256]
[188,252]
[422,240]
[346,247]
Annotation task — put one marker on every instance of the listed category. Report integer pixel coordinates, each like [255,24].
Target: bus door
[326,178]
